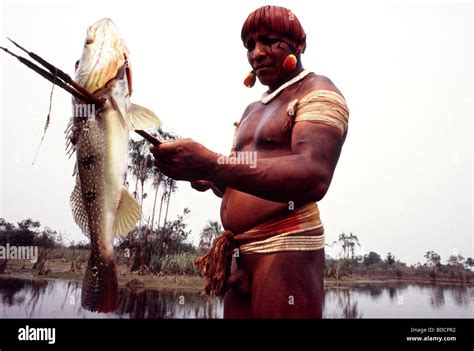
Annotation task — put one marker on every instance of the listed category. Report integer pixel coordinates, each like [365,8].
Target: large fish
[101,206]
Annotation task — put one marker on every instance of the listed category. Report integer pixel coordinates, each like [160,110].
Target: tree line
[347,263]
[163,249]
[157,242]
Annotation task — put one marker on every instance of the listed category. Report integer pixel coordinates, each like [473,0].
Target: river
[21,298]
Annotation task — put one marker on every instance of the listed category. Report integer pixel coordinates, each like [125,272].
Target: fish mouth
[64,81]
[103,55]
[128,72]
[54,75]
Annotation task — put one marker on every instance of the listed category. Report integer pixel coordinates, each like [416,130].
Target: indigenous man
[269,261]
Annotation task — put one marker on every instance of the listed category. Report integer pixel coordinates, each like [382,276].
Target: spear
[63,80]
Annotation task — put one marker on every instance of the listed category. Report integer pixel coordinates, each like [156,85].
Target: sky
[404,181]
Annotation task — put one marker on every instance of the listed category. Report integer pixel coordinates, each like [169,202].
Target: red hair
[275,19]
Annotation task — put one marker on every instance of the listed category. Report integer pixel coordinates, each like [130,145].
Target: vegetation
[158,246]
[164,252]
[209,233]
[27,233]
[372,266]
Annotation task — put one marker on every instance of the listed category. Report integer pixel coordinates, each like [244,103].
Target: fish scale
[101,206]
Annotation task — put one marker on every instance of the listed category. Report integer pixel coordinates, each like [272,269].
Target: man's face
[266,52]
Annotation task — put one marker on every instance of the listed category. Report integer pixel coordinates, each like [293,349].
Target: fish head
[103,57]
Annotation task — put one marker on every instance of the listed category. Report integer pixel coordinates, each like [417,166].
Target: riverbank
[60,269]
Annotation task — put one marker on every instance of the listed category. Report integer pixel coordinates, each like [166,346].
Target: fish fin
[78,210]
[140,118]
[121,110]
[75,171]
[127,215]
[100,285]
[69,134]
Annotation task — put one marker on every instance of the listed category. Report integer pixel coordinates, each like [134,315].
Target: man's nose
[259,52]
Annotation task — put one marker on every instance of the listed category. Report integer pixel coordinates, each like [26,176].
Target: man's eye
[250,45]
[269,41]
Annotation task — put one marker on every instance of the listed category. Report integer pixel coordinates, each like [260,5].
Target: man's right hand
[201,185]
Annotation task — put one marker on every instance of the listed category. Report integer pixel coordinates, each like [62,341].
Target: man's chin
[266,80]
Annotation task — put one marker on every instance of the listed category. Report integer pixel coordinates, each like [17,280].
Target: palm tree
[432,258]
[141,164]
[135,161]
[390,259]
[142,169]
[470,262]
[156,185]
[166,231]
[343,242]
[211,231]
[165,181]
[145,173]
[171,188]
[161,206]
[160,179]
[456,260]
[352,240]
[348,243]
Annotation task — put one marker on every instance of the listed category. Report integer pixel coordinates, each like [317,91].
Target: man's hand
[184,160]
[201,185]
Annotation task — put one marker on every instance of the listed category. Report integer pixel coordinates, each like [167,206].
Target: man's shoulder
[319,82]
[251,107]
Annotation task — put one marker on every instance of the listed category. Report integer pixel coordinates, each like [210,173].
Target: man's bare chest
[269,126]
[265,126]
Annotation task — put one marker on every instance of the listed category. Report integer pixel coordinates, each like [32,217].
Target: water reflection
[345,302]
[51,299]
[437,297]
[167,304]
[398,300]
[60,299]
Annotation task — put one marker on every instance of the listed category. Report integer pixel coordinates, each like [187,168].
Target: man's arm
[204,185]
[301,177]
[218,187]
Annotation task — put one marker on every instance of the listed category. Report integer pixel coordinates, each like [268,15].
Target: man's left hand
[184,160]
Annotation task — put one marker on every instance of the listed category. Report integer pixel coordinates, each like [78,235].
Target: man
[274,237]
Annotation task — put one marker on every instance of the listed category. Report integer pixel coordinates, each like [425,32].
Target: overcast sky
[404,182]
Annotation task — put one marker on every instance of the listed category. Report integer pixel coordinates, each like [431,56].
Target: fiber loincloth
[288,232]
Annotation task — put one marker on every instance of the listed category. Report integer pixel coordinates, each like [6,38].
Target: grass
[59,268]
[177,272]
[180,264]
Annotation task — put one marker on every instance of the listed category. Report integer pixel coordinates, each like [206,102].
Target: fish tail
[100,286]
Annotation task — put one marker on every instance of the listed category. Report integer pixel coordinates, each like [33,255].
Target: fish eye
[90,37]
[76,65]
